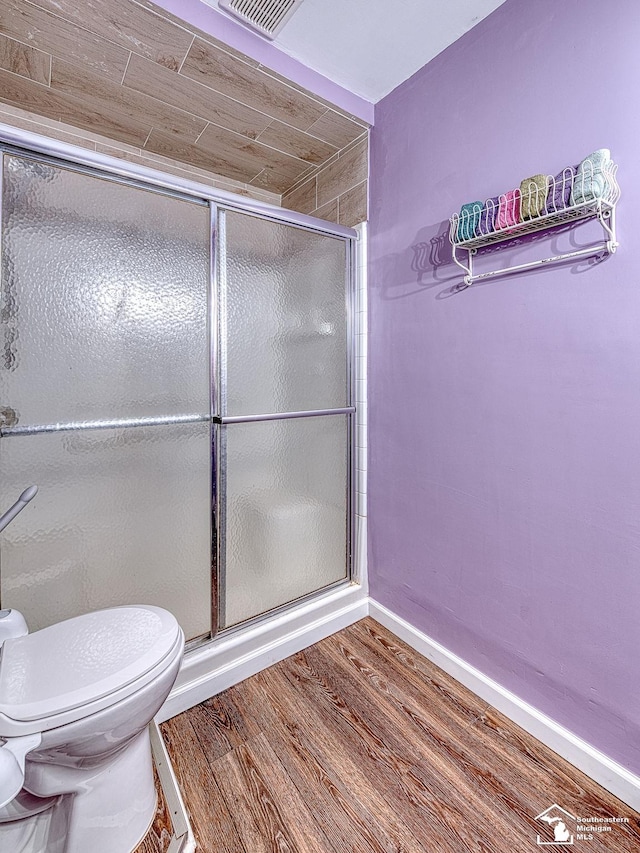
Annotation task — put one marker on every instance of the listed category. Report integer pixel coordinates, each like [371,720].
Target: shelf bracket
[466,268]
[607,219]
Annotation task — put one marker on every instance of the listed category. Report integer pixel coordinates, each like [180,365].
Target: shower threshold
[215,665]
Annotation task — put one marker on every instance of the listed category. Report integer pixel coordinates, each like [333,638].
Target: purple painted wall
[504,484]
[221,26]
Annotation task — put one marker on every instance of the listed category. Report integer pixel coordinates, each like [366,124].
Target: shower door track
[26,144]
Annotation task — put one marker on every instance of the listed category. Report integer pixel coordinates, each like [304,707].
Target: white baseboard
[603,770]
[221,664]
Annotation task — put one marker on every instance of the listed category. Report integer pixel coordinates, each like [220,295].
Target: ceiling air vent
[267,17]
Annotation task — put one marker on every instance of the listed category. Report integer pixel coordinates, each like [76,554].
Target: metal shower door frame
[34,154]
[102,166]
[218,335]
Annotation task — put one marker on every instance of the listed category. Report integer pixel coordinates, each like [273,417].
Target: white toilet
[75,702]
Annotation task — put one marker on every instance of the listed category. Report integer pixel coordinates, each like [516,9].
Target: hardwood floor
[359,745]
[158,839]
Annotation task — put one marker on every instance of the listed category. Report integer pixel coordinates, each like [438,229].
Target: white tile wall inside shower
[361,406]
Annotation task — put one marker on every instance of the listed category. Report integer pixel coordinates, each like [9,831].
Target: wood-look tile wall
[338,190]
[155,90]
[96,142]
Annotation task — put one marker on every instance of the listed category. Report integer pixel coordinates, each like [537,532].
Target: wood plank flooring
[360,745]
[158,839]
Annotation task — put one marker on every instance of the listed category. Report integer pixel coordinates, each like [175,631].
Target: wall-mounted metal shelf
[590,192]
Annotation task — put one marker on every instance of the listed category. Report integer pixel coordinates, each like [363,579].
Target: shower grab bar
[282,416]
[8,516]
[122,423]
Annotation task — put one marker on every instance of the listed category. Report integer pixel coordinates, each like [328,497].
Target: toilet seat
[83,665]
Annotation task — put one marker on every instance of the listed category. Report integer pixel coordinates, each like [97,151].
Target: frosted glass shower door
[284,406]
[104,396]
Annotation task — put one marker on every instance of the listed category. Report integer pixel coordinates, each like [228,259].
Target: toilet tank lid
[82,659]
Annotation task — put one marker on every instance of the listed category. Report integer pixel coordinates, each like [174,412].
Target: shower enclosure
[175,375]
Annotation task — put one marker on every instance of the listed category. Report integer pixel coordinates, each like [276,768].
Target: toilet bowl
[75,703]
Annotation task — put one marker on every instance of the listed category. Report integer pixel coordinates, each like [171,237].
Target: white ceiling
[371,46]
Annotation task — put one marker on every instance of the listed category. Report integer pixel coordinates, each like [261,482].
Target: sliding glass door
[175,377]
[104,396]
[284,412]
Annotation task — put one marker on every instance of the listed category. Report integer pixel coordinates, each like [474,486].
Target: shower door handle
[122,423]
[282,416]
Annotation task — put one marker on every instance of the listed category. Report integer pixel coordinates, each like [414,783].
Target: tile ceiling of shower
[121,69]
